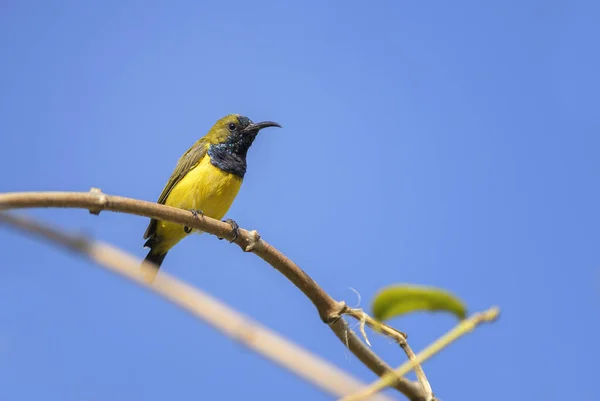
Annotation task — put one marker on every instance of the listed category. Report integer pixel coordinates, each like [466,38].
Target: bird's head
[236,132]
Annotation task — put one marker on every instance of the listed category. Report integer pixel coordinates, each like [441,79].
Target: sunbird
[206,180]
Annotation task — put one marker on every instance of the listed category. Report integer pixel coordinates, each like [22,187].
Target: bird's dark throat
[230,156]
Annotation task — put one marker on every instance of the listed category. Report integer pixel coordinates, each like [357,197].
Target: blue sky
[452,144]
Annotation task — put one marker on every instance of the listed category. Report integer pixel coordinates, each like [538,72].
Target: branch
[250,333]
[329,310]
[399,337]
[460,330]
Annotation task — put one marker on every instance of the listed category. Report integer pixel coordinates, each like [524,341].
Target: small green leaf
[399,300]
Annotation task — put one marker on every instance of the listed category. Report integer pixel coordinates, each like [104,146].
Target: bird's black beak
[258,126]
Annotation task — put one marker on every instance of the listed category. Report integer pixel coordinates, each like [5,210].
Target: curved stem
[228,321]
[329,309]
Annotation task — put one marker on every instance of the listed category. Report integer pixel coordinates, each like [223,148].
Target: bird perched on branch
[205,181]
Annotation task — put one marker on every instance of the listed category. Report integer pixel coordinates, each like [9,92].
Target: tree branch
[460,330]
[232,323]
[399,337]
[329,310]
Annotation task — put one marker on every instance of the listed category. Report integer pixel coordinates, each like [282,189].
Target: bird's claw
[235,229]
[197,215]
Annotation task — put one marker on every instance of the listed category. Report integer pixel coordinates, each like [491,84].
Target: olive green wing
[189,160]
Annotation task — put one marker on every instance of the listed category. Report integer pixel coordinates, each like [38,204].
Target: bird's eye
[232,126]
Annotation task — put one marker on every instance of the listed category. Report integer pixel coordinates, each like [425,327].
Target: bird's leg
[235,229]
[197,215]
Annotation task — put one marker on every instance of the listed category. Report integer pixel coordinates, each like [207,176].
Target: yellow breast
[206,188]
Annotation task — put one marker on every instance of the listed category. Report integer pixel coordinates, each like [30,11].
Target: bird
[205,181]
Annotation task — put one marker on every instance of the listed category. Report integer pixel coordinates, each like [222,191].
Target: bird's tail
[150,272]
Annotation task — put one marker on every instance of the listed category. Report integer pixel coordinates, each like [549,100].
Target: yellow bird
[205,181]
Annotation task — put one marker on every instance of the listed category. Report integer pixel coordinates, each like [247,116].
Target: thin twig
[329,309]
[237,326]
[458,331]
[399,337]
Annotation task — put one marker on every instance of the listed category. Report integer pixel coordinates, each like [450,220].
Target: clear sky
[452,144]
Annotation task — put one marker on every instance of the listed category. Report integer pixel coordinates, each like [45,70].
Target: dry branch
[329,309]
[460,330]
[399,337]
[237,326]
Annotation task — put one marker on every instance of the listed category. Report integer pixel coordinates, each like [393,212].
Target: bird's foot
[197,215]
[235,229]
